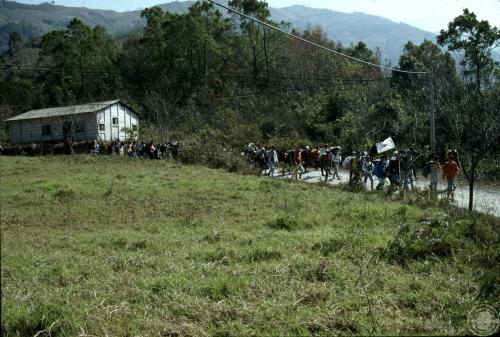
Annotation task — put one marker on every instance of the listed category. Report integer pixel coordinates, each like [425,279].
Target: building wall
[124,117]
[30,130]
[15,132]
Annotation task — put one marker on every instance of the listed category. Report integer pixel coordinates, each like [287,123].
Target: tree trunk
[471,195]
[478,80]
[253,45]
[266,56]
[205,66]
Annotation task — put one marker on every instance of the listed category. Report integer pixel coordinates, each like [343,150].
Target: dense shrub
[78,148]
[490,283]
[214,155]
[287,223]
[435,237]
[18,150]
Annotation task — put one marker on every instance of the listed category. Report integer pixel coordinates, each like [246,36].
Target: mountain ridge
[347,28]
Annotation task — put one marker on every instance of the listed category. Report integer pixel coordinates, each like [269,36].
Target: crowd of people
[363,166]
[134,149]
[398,167]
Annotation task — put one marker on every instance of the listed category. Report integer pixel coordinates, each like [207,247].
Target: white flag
[386,145]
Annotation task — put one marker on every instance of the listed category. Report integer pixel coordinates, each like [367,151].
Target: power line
[317,45]
[294,76]
[42,67]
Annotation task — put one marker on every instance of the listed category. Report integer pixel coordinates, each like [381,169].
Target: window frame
[46,127]
[115,119]
[103,127]
[79,127]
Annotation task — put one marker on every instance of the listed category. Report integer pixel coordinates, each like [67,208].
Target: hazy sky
[431,15]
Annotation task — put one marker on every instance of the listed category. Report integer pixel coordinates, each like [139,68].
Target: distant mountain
[35,20]
[349,28]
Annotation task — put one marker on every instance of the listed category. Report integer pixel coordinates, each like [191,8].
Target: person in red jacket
[297,160]
[315,156]
[450,171]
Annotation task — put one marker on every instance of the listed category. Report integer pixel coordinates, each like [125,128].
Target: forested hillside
[35,20]
[206,78]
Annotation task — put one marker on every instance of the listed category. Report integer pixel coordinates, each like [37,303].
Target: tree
[81,62]
[476,39]
[416,88]
[259,10]
[476,121]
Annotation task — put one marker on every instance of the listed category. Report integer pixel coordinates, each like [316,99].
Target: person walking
[351,167]
[394,169]
[367,169]
[406,170]
[315,156]
[336,160]
[261,160]
[272,160]
[380,168]
[326,163]
[355,171]
[297,161]
[450,172]
[95,148]
[306,157]
[435,168]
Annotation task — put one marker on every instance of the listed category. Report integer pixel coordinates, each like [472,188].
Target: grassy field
[109,246]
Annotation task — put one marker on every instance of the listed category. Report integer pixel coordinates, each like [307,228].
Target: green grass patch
[110,246]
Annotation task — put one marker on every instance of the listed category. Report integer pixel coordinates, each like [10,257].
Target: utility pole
[432,116]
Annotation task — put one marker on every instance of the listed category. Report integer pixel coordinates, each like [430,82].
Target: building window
[46,130]
[115,120]
[134,127]
[102,127]
[79,127]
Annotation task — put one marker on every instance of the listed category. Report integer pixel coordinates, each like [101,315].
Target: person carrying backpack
[367,169]
[393,169]
[261,160]
[380,167]
[355,170]
[326,162]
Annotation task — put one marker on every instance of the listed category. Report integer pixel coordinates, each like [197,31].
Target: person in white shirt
[272,160]
[336,160]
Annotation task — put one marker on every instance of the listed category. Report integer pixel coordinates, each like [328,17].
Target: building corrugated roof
[64,110]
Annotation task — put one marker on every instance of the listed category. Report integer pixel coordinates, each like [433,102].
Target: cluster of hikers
[133,149]
[398,167]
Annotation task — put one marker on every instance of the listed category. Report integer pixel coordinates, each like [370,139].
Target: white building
[104,121]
